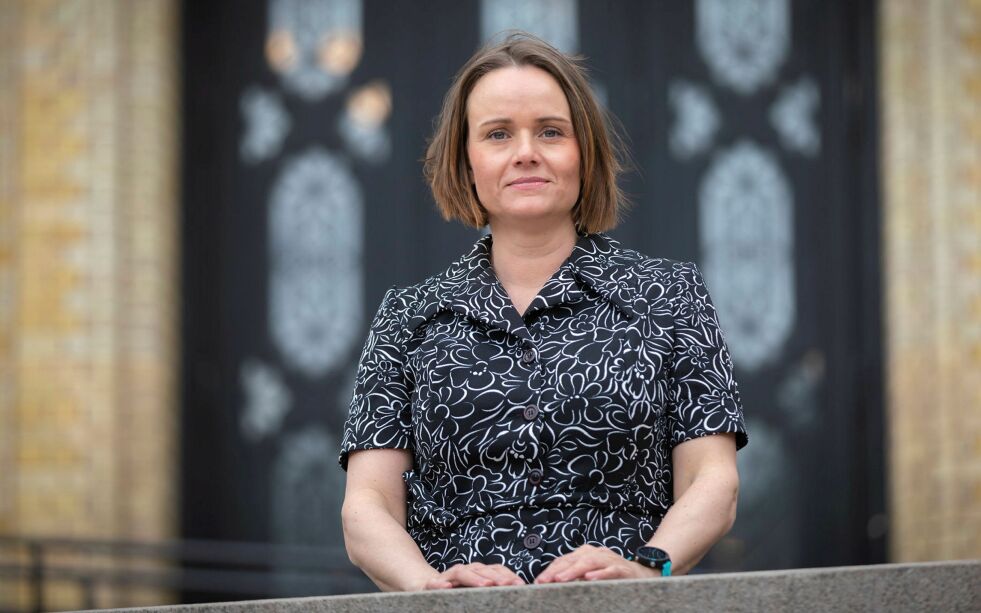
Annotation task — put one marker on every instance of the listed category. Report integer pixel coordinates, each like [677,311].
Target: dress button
[528,356]
[532,541]
[530,412]
[535,476]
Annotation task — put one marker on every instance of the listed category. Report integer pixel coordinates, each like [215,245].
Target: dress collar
[469,286]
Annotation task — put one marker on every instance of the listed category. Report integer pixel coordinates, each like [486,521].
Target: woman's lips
[527,183]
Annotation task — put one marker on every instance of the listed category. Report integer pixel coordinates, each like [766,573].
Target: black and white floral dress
[534,435]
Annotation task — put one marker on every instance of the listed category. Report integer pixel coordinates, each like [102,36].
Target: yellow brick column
[930,54]
[88,265]
[148,210]
[9,157]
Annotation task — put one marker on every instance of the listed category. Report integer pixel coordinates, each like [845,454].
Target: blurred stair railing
[205,570]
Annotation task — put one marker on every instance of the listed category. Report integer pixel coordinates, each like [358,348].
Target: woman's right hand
[374,516]
[473,575]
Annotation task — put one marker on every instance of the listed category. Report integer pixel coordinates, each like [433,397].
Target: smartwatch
[655,558]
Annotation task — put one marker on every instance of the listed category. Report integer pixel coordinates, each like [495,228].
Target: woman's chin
[527,213]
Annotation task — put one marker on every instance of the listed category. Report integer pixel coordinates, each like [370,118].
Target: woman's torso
[552,424]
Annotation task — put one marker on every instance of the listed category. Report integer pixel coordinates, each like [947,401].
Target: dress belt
[427,515]
[424,511]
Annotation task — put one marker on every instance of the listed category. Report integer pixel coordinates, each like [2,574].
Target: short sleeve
[704,398]
[380,416]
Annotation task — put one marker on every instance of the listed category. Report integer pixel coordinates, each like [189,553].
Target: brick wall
[88,262]
[930,58]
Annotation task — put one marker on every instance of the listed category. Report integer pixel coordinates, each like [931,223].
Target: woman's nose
[526,150]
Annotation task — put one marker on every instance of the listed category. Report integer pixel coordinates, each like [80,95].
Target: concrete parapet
[929,586]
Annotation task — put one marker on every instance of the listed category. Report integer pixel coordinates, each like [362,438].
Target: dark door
[752,129]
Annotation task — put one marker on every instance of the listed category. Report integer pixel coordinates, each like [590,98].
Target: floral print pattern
[532,435]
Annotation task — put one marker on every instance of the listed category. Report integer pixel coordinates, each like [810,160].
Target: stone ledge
[929,586]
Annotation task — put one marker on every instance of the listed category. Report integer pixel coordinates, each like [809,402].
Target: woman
[541,410]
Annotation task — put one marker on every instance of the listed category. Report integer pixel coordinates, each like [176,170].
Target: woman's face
[523,153]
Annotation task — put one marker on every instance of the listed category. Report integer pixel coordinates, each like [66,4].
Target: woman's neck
[525,257]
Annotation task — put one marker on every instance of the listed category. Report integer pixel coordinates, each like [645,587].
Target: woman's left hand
[589,562]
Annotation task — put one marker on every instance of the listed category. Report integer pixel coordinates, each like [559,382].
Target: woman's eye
[497,135]
[551,133]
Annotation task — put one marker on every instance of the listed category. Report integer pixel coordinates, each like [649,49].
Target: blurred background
[202,203]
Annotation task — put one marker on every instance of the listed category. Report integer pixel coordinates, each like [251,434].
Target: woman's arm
[706,485]
[373,516]
[374,530]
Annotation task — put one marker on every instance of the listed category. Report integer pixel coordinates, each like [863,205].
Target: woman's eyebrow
[552,118]
[495,120]
[505,120]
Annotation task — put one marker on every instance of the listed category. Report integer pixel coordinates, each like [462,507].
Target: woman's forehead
[517,90]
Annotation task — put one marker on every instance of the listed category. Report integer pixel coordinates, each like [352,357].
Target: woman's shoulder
[640,263]
[404,304]
[428,294]
[637,260]
[655,278]
[402,301]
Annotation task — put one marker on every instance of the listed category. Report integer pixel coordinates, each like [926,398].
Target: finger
[492,573]
[556,566]
[438,583]
[581,567]
[550,574]
[504,575]
[565,561]
[609,572]
[468,576]
[459,575]
[477,574]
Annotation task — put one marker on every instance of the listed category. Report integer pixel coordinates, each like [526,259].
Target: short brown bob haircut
[600,147]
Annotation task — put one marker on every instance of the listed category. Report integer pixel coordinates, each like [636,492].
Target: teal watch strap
[665,566]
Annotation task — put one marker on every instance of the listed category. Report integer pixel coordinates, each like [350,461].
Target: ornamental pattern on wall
[744,42]
[314,44]
[556,21]
[745,200]
[314,243]
[315,232]
[746,220]
[746,230]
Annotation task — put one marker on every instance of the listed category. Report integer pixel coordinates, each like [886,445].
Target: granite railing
[929,586]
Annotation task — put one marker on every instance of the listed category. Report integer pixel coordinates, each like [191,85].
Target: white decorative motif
[371,144]
[314,44]
[696,119]
[362,125]
[556,21]
[306,490]
[746,230]
[267,400]
[792,116]
[266,125]
[743,42]
[315,240]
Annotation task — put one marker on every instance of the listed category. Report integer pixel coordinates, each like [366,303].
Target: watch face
[653,554]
